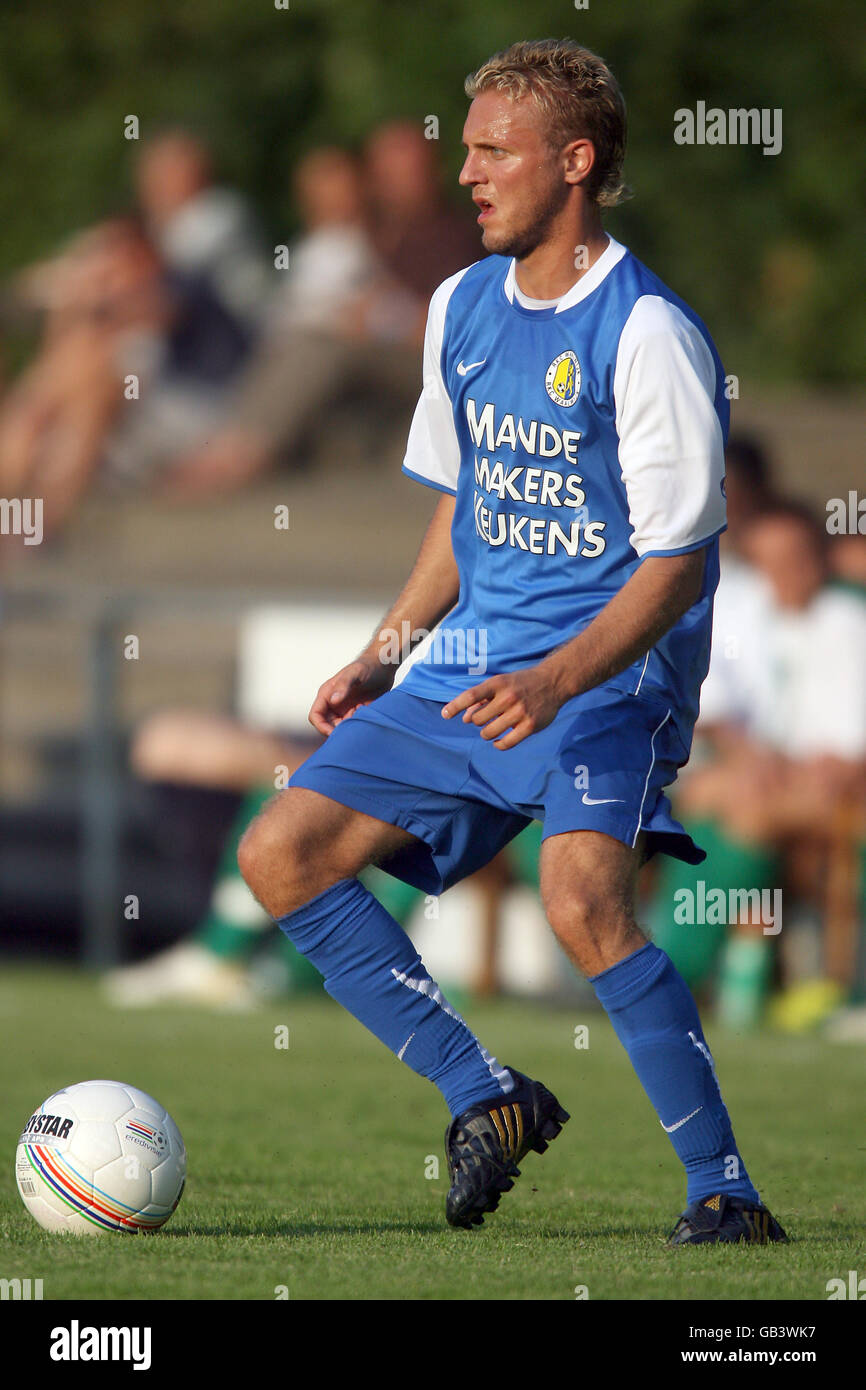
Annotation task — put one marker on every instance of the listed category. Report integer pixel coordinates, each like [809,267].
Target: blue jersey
[579,438]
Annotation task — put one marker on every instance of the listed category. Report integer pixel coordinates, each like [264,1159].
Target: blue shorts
[602,765]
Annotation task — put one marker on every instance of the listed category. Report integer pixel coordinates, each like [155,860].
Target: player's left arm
[671,453]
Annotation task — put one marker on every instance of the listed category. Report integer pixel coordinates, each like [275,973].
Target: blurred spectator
[332,264]
[202,230]
[738,659]
[219,278]
[133,366]
[784,710]
[148,327]
[847,555]
[305,354]
[185,372]
[420,238]
[300,360]
[748,488]
[145,323]
[808,699]
[101,297]
[377,242]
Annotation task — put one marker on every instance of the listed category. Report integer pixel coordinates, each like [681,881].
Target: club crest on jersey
[563,378]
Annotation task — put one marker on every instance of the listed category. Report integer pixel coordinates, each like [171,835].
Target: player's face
[516,178]
[785,552]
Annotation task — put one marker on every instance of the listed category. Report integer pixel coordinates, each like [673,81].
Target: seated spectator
[310,336]
[101,297]
[344,325]
[133,365]
[185,370]
[749,490]
[784,711]
[332,264]
[145,324]
[726,696]
[848,561]
[420,238]
[203,230]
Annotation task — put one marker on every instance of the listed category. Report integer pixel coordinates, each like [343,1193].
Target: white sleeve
[432,449]
[671,450]
[832,680]
[737,679]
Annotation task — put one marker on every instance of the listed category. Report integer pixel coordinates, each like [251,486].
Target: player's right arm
[429,593]
[433,457]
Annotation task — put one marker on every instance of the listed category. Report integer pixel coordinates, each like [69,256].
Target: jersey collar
[610,256]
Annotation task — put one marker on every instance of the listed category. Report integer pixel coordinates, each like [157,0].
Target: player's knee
[572,911]
[594,931]
[270,856]
[286,858]
[248,855]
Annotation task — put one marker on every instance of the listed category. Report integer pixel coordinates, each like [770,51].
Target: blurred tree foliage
[769,249]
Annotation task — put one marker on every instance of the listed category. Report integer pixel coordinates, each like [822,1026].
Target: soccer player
[573,418]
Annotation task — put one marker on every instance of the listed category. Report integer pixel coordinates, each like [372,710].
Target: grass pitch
[309,1166]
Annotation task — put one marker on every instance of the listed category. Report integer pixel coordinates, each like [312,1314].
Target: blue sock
[371,967]
[655,1018]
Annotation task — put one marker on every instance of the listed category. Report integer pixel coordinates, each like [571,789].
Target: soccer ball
[100,1156]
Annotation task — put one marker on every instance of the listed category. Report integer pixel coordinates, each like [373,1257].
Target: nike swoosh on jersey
[599,800]
[462,370]
[669,1129]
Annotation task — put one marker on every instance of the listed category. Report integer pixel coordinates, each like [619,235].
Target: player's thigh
[302,831]
[588,879]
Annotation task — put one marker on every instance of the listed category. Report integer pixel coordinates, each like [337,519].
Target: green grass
[307,1165]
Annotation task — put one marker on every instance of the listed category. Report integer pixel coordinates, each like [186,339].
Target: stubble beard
[520,242]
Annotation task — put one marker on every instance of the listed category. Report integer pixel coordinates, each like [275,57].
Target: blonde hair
[578,94]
